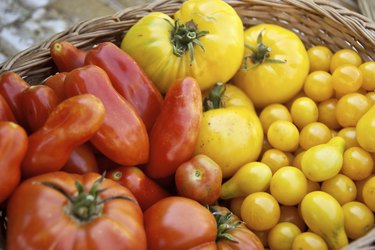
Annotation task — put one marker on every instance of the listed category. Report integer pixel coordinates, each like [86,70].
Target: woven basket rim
[37,60]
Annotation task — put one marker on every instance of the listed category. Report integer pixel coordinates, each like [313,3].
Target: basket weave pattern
[317,22]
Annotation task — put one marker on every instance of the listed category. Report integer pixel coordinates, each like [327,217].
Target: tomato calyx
[85,205]
[225,222]
[260,54]
[184,37]
[214,99]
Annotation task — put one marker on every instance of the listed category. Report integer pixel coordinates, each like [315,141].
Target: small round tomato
[314,133]
[371,96]
[282,235]
[291,214]
[341,187]
[199,179]
[260,211]
[365,130]
[344,56]
[349,134]
[288,185]
[297,159]
[358,219]
[327,110]
[318,86]
[283,135]
[360,184]
[304,111]
[309,241]
[320,58]
[358,163]
[273,112]
[171,223]
[350,108]
[368,72]
[346,79]
[275,159]
[368,193]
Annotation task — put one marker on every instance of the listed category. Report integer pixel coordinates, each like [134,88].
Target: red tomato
[66,56]
[199,179]
[6,114]
[179,223]
[82,160]
[67,211]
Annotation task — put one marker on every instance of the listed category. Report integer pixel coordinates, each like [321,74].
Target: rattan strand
[315,21]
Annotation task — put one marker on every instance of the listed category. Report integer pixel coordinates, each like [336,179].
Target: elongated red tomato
[6,114]
[145,190]
[175,133]
[89,212]
[128,79]
[123,136]
[13,146]
[56,82]
[67,56]
[82,160]
[73,122]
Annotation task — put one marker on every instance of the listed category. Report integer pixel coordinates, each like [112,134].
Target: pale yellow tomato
[358,163]
[260,211]
[358,219]
[318,86]
[283,135]
[344,56]
[309,241]
[346,79]
[273,112]
[313,134]
[341,187]
[327,110]
[288,185]
[350,108]
[281,236]
[275,159]
[304,111]
[319,57]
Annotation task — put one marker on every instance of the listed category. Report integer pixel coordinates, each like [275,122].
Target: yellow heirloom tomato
[230,134]
[275,65]
[204,41]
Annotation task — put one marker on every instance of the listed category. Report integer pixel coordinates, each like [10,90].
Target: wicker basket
[315,21]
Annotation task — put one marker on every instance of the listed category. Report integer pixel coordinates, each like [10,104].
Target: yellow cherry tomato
[365,130]
[297,159]
[275,159]
[273,112]
[313,134]
[250,178]
[358,163]
[276,74]
[318,86]
[341,187]
[281,236]
[349,134]
[358,219]
[346,79]
[309,241]
[292,214]
[304,111]
[368,72]
[344,56]
[327,111]
[350,108]
[288,185]
[360,184]
[324,161]
[324,216]
[320,58]
[283,135]
[260,211]
[235,206]
[368,193]
[371,96]
[195,43]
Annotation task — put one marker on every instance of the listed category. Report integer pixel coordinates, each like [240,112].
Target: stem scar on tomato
[184,37]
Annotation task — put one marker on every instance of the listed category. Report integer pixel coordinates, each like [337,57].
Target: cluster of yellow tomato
[316,168]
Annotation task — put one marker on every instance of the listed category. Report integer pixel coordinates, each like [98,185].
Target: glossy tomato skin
[6,114]
[72,123]
[199,179]
[56,82]
[149,43]
[38,217]
[13,146]
[128,79]
[123,136]
[174,135]
[179,223]
[37,103]
[67,56]
[82,160]
[11,88]
[146,191]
